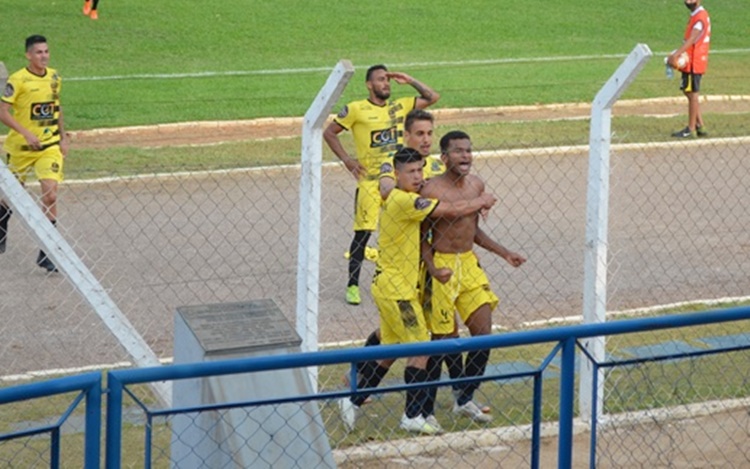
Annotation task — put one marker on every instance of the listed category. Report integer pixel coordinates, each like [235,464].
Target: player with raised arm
[459,284]
[376,124]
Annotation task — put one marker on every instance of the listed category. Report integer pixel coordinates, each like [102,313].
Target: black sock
[415,398]
[434,369]
[476,362]
[372,340]
[455,364]
[370,377]
[5,214]
[357,255]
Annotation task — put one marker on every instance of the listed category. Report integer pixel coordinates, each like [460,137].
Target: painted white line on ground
[295,71]
[31,375]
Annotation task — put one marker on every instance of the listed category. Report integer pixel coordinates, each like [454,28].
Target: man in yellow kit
[37,137]
[394,286]
[376,124]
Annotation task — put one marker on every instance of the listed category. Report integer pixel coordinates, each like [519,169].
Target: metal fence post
[597,212]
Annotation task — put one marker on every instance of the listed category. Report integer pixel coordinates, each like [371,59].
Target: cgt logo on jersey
[42,111]
[384,137]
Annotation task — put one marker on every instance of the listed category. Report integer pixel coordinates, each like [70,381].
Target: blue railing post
[567,394]
[114,422]
[92,449]
[536,422]
[594,415]
[54,448]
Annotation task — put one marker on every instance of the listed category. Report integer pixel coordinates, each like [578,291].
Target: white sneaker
[486,409]
[430,419]
[349,413]
[417,424]
[471,410]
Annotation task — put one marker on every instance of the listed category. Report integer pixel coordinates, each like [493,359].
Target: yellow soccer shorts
[466,291]
[367,203]
[47,163]
[401,321]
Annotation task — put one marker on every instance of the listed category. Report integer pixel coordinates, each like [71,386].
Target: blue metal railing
[565,342]
[90,388]
[566,337]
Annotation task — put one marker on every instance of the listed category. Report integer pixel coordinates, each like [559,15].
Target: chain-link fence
[176,230]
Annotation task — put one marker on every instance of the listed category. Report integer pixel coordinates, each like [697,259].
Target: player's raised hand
[401,78]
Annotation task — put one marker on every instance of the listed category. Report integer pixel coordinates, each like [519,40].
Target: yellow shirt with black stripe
[397,269]
[377,130]
[35,101]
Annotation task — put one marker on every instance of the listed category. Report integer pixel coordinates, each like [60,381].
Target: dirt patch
[213,132]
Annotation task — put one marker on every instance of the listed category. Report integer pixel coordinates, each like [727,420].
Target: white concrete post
[308,247]
[597,212]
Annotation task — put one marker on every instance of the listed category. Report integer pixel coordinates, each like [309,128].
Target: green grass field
[241,59]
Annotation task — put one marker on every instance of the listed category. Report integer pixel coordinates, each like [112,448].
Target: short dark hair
[406,155]
[373,69]
[452,135]
[35,39]
[417,115]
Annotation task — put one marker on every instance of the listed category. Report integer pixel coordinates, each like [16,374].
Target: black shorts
[691,82]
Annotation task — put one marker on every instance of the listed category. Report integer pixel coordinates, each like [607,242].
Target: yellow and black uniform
[395,284]
[466,290]
[432,167]
[377,132]
[35,101]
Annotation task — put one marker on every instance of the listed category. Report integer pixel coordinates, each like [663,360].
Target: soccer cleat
[471,410]
[94,15]
[684,133]
[417,424]
[483,407]
[701,132]
[87,7]
[349,413]
[43,261]
[352,295]
[433,422]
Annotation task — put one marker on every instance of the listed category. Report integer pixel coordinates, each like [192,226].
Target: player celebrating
[376,124]
[394,286]
[696,43]
[37,137]
[459,283]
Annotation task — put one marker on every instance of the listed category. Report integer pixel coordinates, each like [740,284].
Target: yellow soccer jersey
[36,106]
[432,167]
[397,270]
[377,130]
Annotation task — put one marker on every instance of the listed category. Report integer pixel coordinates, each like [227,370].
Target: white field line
[356,343]
[451,64]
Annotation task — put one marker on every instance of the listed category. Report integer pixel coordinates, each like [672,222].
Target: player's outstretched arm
[460,208]
[427,96]
[483,240]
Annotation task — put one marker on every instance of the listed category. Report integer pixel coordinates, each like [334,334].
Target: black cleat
[701,132]
[43,261]
[684,133]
